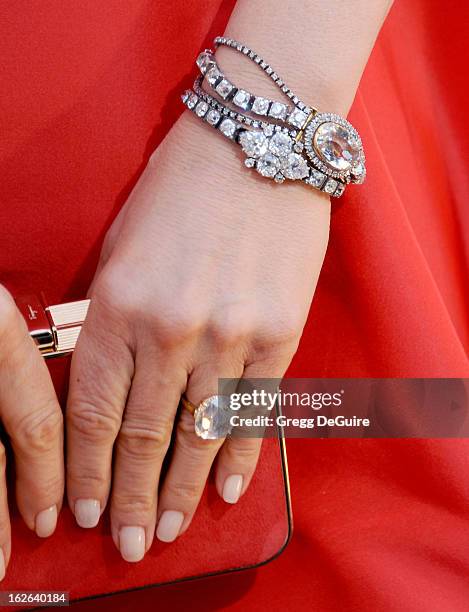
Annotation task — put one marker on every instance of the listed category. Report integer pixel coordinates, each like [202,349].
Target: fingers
[236,464]
[5,533]
[192,457]
[33,419]
[117,406]
[237,459]
[140,450]
[100,377]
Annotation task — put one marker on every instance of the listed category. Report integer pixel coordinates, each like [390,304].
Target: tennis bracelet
[281,140]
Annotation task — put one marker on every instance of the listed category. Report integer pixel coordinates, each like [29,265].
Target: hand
[31,415]
[207,272]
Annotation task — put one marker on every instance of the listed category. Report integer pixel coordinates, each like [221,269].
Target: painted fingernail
[132,543]
[232,488]
[2,565]
[46,522]
[87,512]
[169,525]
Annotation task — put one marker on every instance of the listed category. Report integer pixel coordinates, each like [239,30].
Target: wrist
[196,149]
[319,48]
[213,169]
[311,85]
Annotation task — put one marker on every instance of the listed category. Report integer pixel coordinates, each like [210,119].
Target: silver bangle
[279,161]
[291,142]
[242,117]
[243,99]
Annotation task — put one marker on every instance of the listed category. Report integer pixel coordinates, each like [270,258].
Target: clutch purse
[85,563]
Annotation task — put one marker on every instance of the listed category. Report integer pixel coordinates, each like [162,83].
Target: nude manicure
[46,522]
[87,512]
[169,525]
[132,543]
[232,488]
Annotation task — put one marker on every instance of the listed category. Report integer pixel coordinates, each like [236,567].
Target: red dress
[88,91]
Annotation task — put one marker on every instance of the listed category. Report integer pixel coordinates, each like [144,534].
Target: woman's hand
[208,272]
[31,415]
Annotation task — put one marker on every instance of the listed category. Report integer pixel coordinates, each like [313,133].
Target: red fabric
[89,89]
[221,538]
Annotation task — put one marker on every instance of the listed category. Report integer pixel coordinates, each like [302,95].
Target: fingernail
[232,488]
[132,543]
[46,522]
[2,565]
[169,525]
[87,512]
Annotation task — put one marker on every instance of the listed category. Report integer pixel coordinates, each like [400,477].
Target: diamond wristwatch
[281,140]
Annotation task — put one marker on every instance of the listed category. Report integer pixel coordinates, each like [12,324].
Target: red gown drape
[88,90]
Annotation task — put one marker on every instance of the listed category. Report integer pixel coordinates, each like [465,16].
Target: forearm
[319,47]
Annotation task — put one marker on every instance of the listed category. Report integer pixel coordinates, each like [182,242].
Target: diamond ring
[211,416]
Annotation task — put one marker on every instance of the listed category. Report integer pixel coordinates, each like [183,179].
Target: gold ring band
[188,405]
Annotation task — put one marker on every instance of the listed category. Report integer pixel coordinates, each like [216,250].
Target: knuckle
[117,296]
[227,335]
[185,490]
[53,484]
[85,479]
[185,426]
[133,504]
[92,423]
[286,331]
[171,322]
[108,296]
[232,327]
[145,442]
[106,338]
[281,332]
[244,451]
[175,327]
[43,486]
[40,430]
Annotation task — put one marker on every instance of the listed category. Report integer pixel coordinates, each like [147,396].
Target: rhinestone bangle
[266,67]
[272,151]
[290,142]
[246,101]
[233,113]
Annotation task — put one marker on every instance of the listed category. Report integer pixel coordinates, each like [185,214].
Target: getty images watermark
[343,408]
[278,400]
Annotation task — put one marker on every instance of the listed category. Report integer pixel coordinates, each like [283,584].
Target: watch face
[334,146]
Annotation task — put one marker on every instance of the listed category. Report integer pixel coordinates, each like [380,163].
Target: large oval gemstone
[212,418]
[336,145]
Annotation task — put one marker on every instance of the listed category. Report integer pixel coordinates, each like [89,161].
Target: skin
[208,272]
[224,310]
[32,417]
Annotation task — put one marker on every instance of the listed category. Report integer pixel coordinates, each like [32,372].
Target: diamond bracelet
[240,116]
[273,152]
[350,169]
[298,143]
[243,99]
